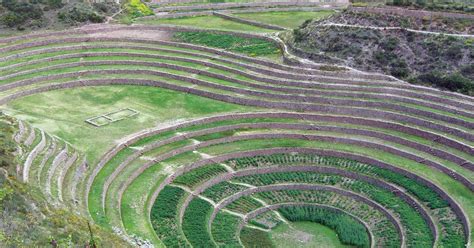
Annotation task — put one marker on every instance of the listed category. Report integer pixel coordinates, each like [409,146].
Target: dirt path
[396,28]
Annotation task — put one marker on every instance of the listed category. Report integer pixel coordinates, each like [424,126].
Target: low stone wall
[406,86]
[31,157]
[246,21]
[363,159]
[326,170]
[307,100]
[262,210]
[62,173]
[252,102]
[357,197]
[322,100]
[130,141]
[159,14]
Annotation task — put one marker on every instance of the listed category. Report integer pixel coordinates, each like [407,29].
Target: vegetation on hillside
[435,5]
[26,218]
[439,5]
[435,60]
[35,14]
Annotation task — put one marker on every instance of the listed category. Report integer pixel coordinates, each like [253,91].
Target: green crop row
[383,230]
[224,230]
[195,222]
[164,216]
[244,204]
[202,174]
[221,190]
[418,232]
[422,192]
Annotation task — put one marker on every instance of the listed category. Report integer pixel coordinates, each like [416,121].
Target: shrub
[135,8]
[55,4]
[454,82]
[399,68]
[389,44]
[12,19]
[454,52]
[20,13]
[80,13]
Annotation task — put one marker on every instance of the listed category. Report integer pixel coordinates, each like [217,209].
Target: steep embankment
[27,219]
[437,52]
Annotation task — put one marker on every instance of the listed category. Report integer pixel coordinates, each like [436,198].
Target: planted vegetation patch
[224,229]
[199,175]
[164,217]
[250,46]
[349,230]
[252,237]
[195,223]
[288,19]
[205,22]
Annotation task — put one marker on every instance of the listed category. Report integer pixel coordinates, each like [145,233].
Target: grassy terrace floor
[287,19]
[306,235]
[140,185]
[206,22]
[64,112]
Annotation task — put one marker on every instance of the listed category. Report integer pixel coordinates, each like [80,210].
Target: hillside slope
[365,42]
[27,219]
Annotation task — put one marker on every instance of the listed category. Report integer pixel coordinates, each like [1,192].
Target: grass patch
[250,46]
[320,236]
[62,112]
[287,19]
[207,22]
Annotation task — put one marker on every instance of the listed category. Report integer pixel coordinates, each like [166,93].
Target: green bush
[454,82]
[399,68]
[80,13]
[135,9]
[19,13]
[55,4]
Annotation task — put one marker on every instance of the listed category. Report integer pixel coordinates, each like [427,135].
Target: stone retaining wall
[357,197]
[246,21]
[301,204]
[341,75]
[242,101]
[360,158]
[31,157]
[305,106]
[183,45]
[326,170]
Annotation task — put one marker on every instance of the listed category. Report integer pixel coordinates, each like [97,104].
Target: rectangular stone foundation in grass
[111,117]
